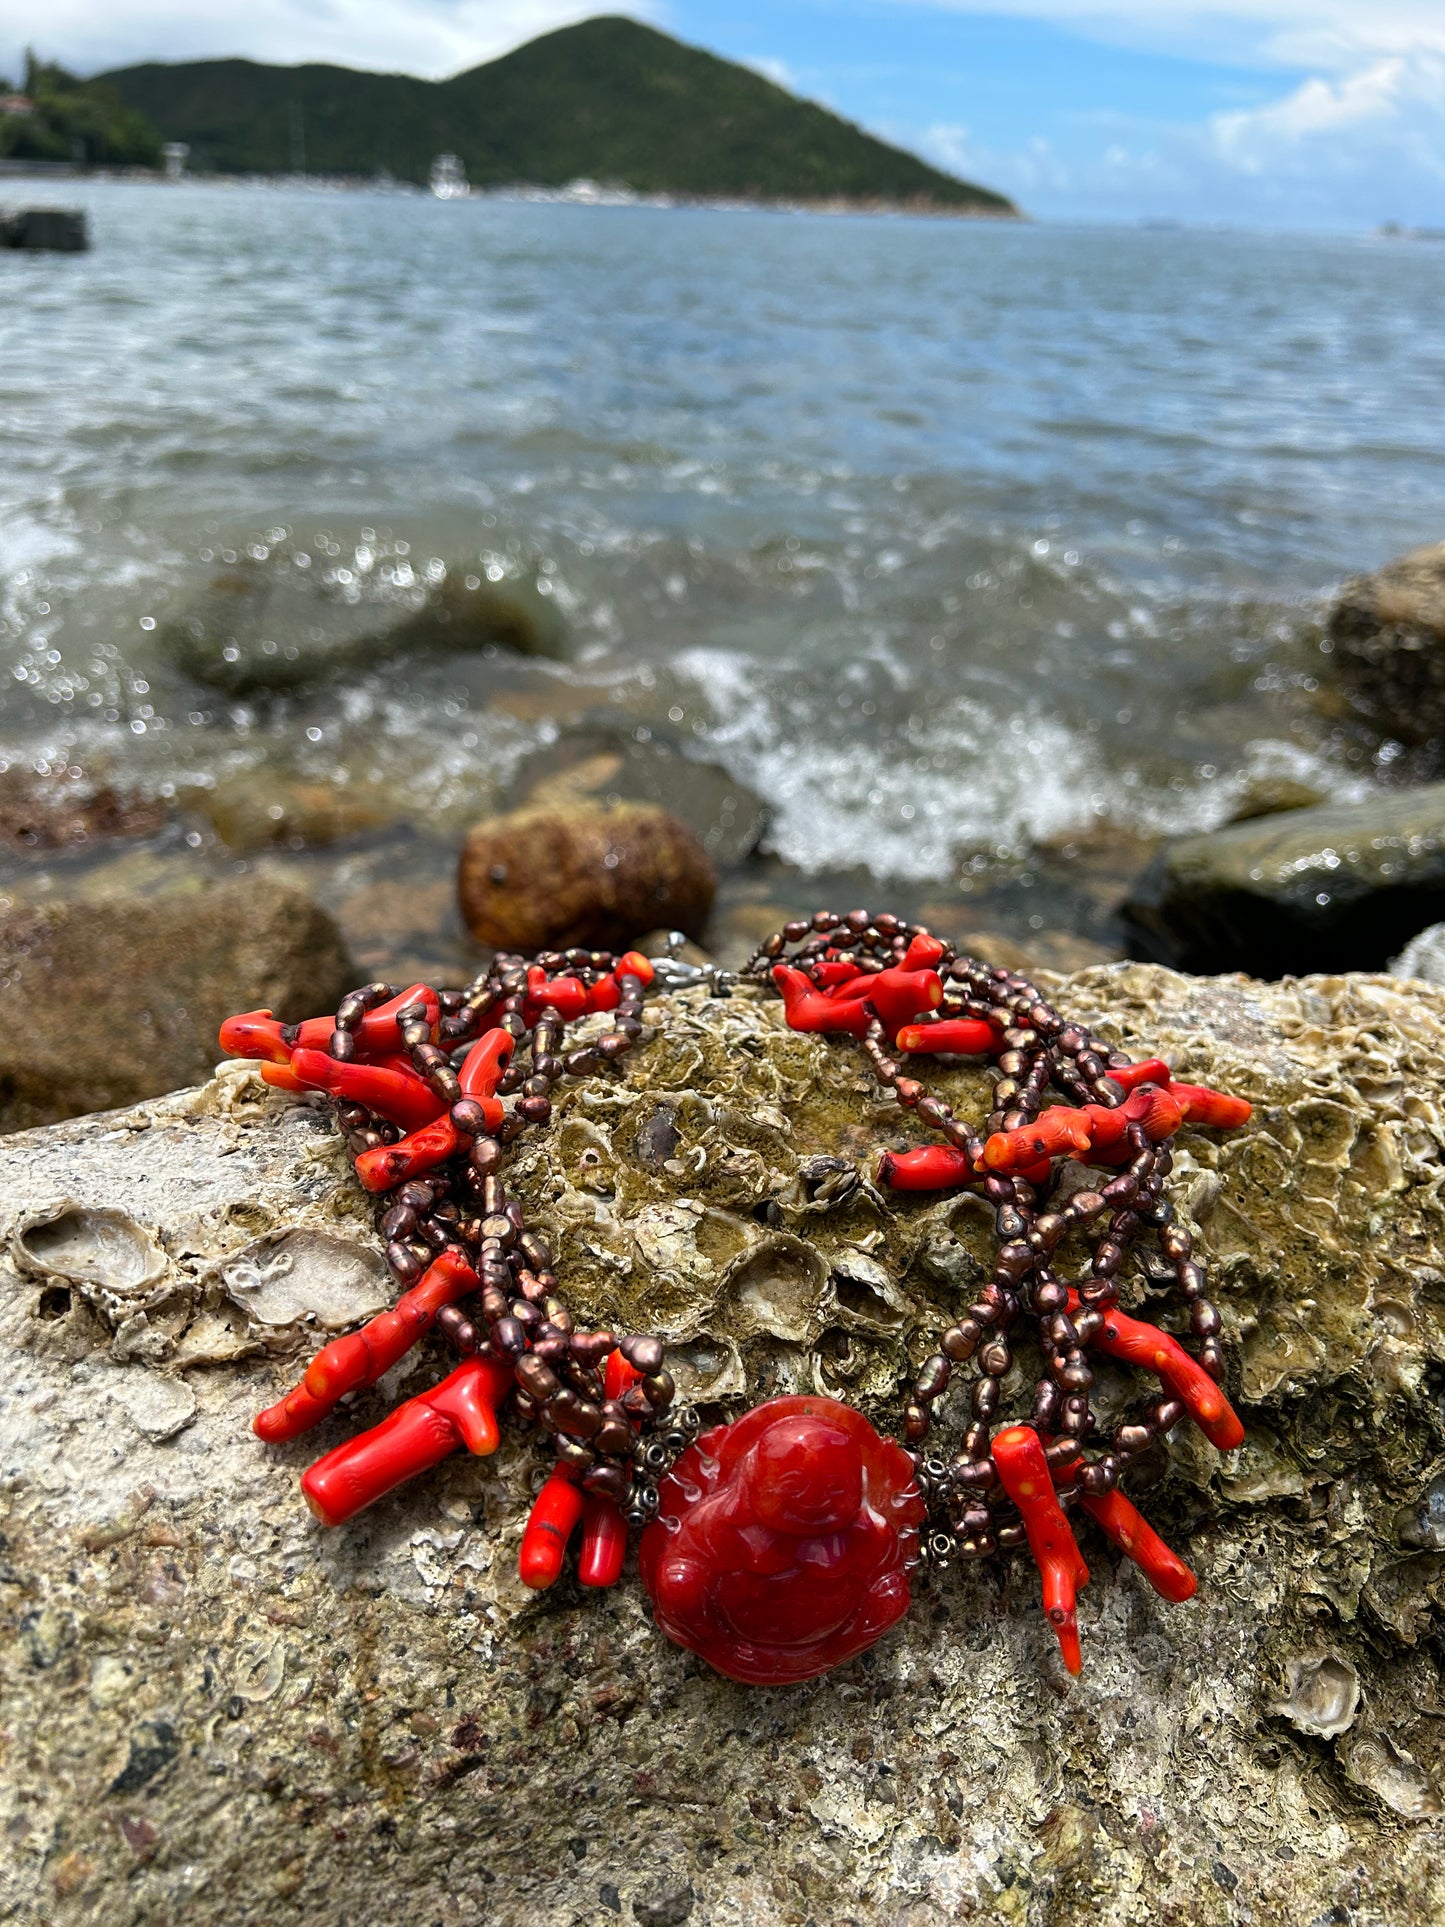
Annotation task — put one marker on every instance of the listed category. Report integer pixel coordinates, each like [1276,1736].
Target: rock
[1272,796]
[1387,632]
[1423,956]
[611,766]
[239,1718]
[60,230]
[590,874]
[276,626]
[47,813]
[266,808]
[1339,887]
[104,1003]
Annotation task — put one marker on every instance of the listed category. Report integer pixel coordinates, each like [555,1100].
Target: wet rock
[265,808]
[49,813]
[1423,956]
[186,1634]
[63,230]
[599,875]
[1341,886]
[1387,631]
[1272,796]
[276,626]
[611,766]
[103,1003]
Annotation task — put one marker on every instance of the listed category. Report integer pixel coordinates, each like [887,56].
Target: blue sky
[1288,113]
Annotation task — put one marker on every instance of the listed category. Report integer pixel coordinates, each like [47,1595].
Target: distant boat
[448,178]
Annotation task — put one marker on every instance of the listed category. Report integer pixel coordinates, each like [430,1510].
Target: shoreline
[575,194]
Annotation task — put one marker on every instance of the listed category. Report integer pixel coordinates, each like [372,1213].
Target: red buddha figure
[784,1542]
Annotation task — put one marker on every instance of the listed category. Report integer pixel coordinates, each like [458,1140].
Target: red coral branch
[399,1096]
[462,1410]
[603,1550]
[1122,1522]
[359,1358]
[553,1519]
[1018,1454]
[1145,1345]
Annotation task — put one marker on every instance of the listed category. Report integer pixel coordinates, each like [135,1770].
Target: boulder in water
[61,812]
[600,765]
[272,627]
[1339,887]
[264,808]
[1388,636]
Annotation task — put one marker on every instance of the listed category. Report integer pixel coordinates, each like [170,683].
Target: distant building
[176,153]
[16,106]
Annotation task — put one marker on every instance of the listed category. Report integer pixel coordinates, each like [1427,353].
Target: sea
[985,554]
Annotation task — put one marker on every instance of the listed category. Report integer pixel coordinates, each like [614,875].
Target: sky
[1276,113]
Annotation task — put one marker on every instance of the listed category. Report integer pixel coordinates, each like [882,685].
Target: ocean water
[957,541]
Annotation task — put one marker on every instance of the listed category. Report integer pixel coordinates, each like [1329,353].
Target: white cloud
[1385,117]
[430,37]
[1337,35]
[1360,139]
[1319,106]
[777,71]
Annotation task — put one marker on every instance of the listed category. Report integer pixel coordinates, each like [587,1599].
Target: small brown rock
[1273,796]
[589,875]
[262,809]
[1387,631]
[46,813]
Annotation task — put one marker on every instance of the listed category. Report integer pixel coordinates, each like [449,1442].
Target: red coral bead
[784,1542]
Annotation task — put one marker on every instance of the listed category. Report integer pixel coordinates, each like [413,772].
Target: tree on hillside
[76,120]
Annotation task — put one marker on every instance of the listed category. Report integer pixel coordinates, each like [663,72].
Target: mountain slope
[609,99]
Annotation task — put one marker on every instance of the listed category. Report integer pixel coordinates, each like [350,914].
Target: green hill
[75,120]
[608,99]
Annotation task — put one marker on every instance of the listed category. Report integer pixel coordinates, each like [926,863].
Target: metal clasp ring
[670,972]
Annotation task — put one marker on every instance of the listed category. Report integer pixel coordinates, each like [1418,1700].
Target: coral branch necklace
[782,1543]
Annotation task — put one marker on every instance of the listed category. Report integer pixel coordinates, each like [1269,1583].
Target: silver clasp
[670,972]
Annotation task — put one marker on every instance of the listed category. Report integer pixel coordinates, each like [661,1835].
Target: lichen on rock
[214,1708]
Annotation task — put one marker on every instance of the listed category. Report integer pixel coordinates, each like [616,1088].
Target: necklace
[782,1543]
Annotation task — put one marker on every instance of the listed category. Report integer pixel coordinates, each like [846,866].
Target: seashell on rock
[298,1275]
[83,1245]
[1393,1775]
[1423,1524]
[1322,1694]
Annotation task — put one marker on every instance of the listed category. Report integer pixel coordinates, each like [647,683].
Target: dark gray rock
[602,765]
[104,1003]
[56,230]
[275,626]
[1340,887]
[1388,637]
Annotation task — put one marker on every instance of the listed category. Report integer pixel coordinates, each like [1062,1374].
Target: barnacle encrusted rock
[213,1709]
